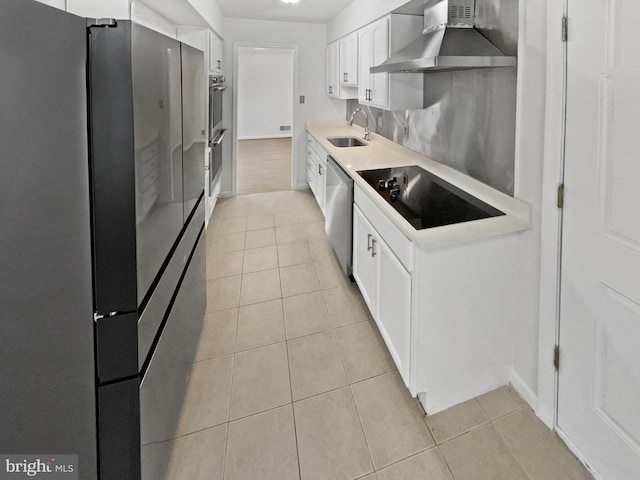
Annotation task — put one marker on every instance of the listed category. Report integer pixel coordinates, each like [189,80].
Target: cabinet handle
[319,169]
[219,62]
[369,238]
[330,89]
[373,247]
[346,77]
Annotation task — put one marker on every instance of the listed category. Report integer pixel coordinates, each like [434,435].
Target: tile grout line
[226,443]
[395,462]
[366,440]
[293,412]
[444,459]
[506,444]
[475,427]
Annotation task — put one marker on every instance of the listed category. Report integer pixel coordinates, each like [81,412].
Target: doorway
[265,92]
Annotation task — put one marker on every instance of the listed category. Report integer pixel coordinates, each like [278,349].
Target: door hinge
[561,195]
[556,357]
[565,29]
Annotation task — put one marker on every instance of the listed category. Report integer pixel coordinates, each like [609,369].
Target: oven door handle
[219,89]
[218,140]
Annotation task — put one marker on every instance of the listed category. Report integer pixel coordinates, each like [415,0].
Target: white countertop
[383,153]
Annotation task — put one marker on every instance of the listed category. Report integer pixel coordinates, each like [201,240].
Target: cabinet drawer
[311,143]
[322,155]
[400,245]
[312,161]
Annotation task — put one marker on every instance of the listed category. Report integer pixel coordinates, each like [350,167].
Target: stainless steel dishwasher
[339,213]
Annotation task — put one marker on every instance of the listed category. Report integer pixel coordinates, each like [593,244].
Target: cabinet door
[333,87]
[349,60]
[215,53]
[322,185]
[365,52]
[379,94]
[321,170]
[394,307]
[365,264]
[311,177]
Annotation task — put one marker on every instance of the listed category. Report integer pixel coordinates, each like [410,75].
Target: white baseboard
[301,186]
[266,137]
[523,389]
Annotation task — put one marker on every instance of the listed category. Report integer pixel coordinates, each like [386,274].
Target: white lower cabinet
[386,287]
[321,170]
[317,170]
[394,309]
[365,265]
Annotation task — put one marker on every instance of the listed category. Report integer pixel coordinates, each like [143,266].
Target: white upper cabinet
[215,53]
[349,60]
[376,43]
[333,87]
[336,87]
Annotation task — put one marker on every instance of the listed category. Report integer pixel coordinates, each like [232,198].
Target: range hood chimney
[454,45]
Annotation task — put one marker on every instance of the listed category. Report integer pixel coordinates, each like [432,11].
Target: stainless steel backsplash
[468,119]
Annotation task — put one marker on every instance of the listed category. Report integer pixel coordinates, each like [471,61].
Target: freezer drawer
[155,311]
[165,384]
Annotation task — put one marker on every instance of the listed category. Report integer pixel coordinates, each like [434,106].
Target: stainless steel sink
[347,142]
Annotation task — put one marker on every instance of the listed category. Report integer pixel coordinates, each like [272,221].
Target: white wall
[311,40]
[528,187]
[100,8]
[59,4]
[358,14]
[210,11]
[93,8]
[160,15]
[146,17]
[265,101]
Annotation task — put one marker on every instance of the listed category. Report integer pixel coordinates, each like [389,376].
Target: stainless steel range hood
[454,45]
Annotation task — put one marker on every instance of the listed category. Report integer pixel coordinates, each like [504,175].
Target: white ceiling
[306,11]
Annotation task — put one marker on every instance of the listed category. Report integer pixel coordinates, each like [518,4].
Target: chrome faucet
[367,131]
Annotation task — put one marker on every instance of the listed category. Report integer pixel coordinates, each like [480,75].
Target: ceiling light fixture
[290,1]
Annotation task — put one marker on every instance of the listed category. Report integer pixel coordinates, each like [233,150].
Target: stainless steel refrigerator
[102,255]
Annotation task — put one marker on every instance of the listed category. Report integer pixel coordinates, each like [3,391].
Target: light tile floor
[294,380]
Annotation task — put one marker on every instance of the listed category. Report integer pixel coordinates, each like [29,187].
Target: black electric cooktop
[424,199]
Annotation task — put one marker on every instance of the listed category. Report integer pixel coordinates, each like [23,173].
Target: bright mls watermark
[49,467]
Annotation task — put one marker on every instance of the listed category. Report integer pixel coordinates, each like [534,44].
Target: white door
[599,379]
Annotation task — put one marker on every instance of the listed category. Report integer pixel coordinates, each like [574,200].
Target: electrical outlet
[379,121]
